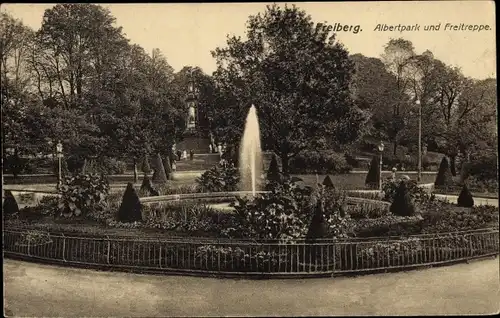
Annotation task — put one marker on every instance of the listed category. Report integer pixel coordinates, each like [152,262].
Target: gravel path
[48,291]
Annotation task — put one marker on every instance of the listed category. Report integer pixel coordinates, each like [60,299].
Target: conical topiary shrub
[317,228]
[147,187]
[403,204]
[159,175]
[146,168]
[465,198]
[444,177]
[273,173]
[168,168]
[9,204]
[327,182]
[130,209]
[373,177]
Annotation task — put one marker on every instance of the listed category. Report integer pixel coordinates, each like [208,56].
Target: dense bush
[483,185]
[105,165]
[188,217]
[48,206]
[351,160]
[444,178]
[368,210]
[484,166]
[219,179]
[402,204]
[440,217]
[391,253]
[130,209]
[82,193]
[373,176]
[9,206]
[399,161]
[418,194]
[287,211]
[319,162]
[465,198]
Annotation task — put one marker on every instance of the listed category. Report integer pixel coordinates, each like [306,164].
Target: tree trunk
[284,162]
[395,147]
[84,168]
[453,166]
[135,171]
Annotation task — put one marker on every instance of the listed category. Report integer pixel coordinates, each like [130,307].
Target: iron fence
[249,257]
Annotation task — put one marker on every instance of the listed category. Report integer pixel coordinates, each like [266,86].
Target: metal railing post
[64,248]
[109,248]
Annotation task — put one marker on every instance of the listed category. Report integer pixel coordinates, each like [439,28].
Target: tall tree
[398,56]
[375,90]
[296,75]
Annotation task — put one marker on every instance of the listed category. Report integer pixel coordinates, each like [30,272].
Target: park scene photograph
[249,159]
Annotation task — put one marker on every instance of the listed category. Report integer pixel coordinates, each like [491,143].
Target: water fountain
[250,162]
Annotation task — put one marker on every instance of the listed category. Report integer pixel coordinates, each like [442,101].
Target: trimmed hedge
[324,162]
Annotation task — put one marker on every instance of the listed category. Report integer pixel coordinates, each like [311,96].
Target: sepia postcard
[249,159]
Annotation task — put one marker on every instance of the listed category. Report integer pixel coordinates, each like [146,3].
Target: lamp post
[59,149]
[419,174]
[380,149]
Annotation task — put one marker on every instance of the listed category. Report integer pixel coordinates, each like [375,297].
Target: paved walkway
[48,291]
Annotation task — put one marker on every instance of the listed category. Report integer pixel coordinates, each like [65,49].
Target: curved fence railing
[206,256]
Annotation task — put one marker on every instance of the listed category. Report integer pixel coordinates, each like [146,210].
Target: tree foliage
[296,74]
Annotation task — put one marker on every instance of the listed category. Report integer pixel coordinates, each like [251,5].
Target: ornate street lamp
[419,175]
[59,149]
[381,150]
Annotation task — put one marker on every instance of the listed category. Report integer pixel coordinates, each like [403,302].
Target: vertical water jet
[250,163]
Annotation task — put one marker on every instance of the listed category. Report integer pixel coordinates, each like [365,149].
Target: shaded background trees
[80,81]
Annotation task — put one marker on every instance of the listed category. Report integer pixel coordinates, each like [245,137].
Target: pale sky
[186,33]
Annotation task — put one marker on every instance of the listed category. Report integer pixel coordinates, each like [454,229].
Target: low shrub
[417,194]
[383,254]
[482,185]
[219,179]
[388,225]
[402,204]
[367,211]
[323,162]
[282,213]
[167,189]
[484,166]
[441,217]
[188,217]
